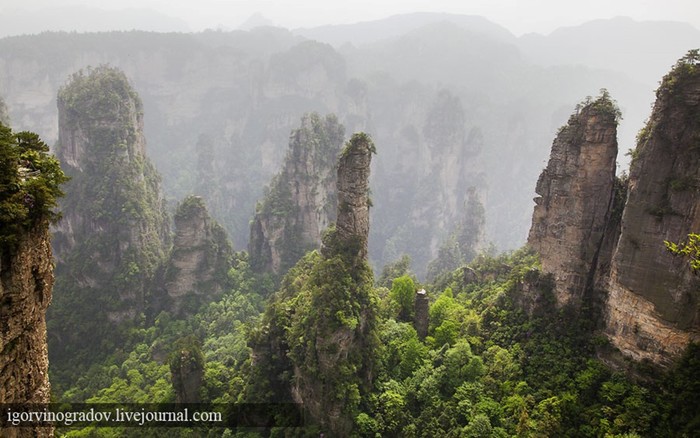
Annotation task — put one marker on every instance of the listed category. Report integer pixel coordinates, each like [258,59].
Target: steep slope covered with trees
[301,200]
[115,230]
[30,181]
[317,340]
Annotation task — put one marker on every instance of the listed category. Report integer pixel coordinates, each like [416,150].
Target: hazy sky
[520,17]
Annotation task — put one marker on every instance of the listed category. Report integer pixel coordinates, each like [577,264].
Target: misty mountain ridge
[589,329]
[367,32]
[607,44]
[248,89]
[87,19]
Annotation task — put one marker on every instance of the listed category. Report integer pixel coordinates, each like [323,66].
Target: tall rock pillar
[653,305]
[576,194]
[29,185]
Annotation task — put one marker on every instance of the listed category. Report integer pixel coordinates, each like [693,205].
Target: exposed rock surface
[115,229]
[352,224]
[612,252]
[652,309]
[343,320]
[461,246]
[199,261]
[576,196]
[187,371]
[421,180]
[301,201]
[421,319]
[26,280]
[315,345]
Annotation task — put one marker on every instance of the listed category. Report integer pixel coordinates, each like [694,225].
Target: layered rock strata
[352,225]
[575,203]
[199,261]
[652,308]
[26,281]
[316,343]
[115,231]
[301,201]
[603,240]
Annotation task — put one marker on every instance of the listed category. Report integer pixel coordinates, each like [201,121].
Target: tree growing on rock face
[30,181]
[301,200]
[30,184]
[197,268]
[689,249]
[317,341]
[186,363]
[462,245]
[576,198]
[115,230]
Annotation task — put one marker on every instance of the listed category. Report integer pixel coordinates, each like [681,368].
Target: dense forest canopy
[340,228]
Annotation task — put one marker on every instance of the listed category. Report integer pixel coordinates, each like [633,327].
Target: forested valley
[336,238]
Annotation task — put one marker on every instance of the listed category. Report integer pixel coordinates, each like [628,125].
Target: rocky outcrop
[316,342]
[301,201]
[576,199]
[352,224]
[421,319]
[29,186]
[421,179]
[461,246]
[652,308]
[337,362]
[115,229]
[26,281]
[187,370]
[604,240]
[199,261]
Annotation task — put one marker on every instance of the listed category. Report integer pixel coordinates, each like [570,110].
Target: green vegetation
[685,68]
[402,293]
[116,230]
[689,249]
[398,268]
[291,218]
[30,181]
[319,336]
[460,247]
[487,368]
[603,104]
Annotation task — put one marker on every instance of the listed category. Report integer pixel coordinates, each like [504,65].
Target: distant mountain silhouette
[255,20]
[637,48]
[87,19]
[372,31]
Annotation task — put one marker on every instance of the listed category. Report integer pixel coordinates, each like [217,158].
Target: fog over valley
[352,219]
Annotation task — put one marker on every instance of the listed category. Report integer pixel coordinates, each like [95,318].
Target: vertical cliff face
[199,261]
[430,160]
[317,339]
[115,229]
[333,369]
[352,224]
[652,309]
[301,201]
[26,282]
[600,236]
[462,244]
[576,199]
[29,186]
